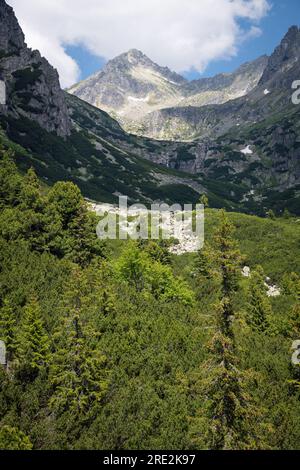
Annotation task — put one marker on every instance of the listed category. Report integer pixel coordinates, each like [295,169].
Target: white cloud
[181,34]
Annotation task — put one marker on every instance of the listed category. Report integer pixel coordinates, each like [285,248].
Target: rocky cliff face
[31,83]
[131,86]
[283,65]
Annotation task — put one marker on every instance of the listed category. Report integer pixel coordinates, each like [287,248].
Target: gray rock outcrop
[32,84]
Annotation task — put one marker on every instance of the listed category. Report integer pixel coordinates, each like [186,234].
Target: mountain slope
[131,86]
[250,168]
[105,161]
[98,156]
[31,84]
[271,96]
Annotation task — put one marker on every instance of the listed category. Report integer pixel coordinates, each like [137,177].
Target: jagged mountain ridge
[272,95]
[32,86]
[131,86]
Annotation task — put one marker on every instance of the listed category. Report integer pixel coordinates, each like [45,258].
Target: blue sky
[274,26]
[203,37]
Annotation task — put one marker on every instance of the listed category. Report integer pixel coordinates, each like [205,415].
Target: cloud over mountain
[179,34]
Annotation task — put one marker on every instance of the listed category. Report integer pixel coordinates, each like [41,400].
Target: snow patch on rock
[247,150]
[133,98]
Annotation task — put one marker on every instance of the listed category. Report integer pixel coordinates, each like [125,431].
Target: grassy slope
[95,159]
[100,172]
[275,244]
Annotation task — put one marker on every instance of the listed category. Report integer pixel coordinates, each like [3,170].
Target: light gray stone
[2,353]
[2,92]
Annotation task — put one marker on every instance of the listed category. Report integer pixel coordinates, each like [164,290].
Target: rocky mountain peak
[135,54]
[11,35]
[32,87]
[134,58]
[292,33]
[284,57]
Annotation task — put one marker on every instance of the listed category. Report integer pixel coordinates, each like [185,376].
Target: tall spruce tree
[33,342]
[204,263]
[229,419]
[30,192]
[229,260]
[259,309]
[78,371]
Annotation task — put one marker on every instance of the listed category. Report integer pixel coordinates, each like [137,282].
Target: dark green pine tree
[33,342]
[30,193]
[10,180]
[84,245]
[67,200]
[229,261]
[259,307]
[204,263]
[229,417]
[8,328]
[78,372]
[32,206]
[74,228]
